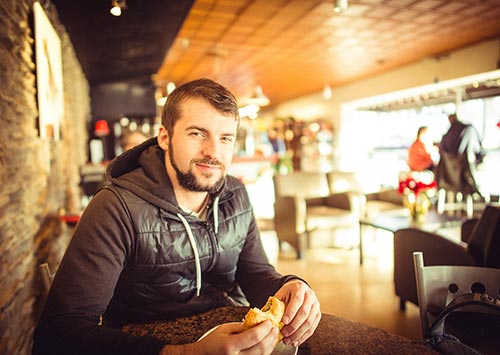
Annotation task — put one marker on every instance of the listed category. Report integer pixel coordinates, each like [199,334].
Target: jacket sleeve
[256,276]
[84,284]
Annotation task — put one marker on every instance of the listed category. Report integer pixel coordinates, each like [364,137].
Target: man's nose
[211,147]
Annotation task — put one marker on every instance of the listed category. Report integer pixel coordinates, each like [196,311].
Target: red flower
[412,185]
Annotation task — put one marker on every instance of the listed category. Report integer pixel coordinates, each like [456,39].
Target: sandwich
[273,311]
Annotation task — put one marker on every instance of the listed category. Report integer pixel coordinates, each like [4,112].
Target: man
[173,236]
[462,138]
[461,150]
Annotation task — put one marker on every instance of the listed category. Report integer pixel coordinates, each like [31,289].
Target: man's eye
[227,139]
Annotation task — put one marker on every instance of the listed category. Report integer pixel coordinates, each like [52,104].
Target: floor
[346,289]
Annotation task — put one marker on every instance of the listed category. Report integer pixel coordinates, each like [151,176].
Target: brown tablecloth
[334,335]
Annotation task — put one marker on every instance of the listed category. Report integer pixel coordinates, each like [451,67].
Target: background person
[127,142]
[461,152]
[462,138]
[172,236]
[419,154]
[132,139]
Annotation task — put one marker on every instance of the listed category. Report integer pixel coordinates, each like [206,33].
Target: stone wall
[38,177]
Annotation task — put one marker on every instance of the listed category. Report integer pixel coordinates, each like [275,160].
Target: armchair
[479,246]
[304,203]
[382,201]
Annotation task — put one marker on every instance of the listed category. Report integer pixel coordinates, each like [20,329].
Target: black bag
[449,345]
[470,324]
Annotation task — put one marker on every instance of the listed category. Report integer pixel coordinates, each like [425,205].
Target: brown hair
[421,131]
[214,93]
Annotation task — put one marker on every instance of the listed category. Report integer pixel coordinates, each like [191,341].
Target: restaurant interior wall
[479,58]
[38,177]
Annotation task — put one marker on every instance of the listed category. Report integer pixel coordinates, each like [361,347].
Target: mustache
[208,161]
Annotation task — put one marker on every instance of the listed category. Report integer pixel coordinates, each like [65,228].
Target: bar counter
[334,335]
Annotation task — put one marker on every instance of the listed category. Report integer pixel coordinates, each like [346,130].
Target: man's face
[201,147]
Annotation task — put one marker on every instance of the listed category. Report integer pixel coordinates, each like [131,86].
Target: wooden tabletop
[334,335]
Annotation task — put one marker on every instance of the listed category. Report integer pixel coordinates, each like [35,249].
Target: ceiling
[295,47]
[289,47]
[126,48]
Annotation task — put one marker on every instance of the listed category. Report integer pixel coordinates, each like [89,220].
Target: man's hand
[302,313]
[231,339]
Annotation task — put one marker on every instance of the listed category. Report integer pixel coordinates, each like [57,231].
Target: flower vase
[418,205]
[422,206]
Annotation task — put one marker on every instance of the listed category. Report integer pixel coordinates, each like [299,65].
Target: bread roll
[273,311]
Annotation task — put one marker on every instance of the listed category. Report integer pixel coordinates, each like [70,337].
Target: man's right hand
[230,339]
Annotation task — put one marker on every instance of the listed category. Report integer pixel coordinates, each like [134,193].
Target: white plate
[281,348]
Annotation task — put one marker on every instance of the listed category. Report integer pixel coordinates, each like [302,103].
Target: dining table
[334,335]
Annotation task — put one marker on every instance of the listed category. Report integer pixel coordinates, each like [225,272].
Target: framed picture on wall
[49,75]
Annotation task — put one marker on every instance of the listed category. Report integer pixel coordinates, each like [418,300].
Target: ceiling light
[162,92]
[161,101]
[258,98]
[249,111]
[170,87]
[340,5]
[327,92]
[117,6]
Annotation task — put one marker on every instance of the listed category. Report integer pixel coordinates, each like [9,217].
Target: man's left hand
[302,313]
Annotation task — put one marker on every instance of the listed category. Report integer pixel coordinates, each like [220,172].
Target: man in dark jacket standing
[172,236]
[462,138]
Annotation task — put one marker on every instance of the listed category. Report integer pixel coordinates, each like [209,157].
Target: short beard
[189,181]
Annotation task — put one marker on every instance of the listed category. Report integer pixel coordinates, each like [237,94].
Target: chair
[383,201]
[343,181]
[442,286]
[304,203]
[479,248]
[47,276]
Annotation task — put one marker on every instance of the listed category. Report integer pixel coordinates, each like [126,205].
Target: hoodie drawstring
[195,251]
[192,241]
[216,214]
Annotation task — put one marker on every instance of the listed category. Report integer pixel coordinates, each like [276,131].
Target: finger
[264,347]
[249,338]
[292,309]
[300,317]
[303,327]
[232,327]
[293,296]
[297,339]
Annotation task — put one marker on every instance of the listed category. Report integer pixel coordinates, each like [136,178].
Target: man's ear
[163,138]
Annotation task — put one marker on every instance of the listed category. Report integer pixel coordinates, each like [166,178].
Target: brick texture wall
[38,177]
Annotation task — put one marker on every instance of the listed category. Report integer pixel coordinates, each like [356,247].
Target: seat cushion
[323,217]
[374,207]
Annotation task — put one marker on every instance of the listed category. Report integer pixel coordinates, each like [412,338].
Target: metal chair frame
[437,286]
